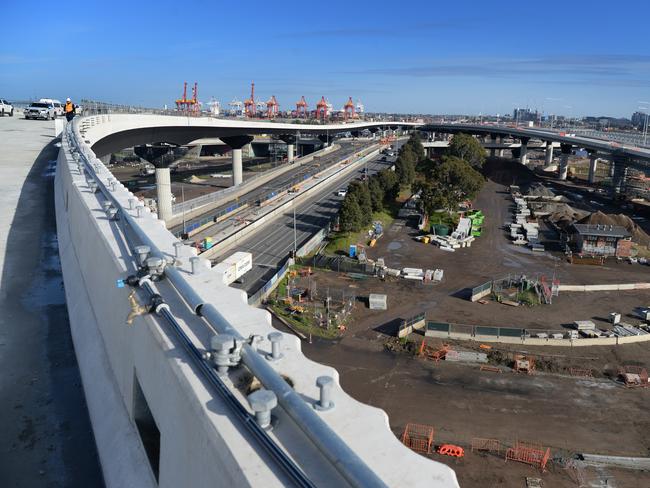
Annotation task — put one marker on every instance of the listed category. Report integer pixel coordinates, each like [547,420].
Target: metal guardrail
[333,448]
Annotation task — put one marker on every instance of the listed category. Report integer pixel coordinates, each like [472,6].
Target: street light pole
[295,239]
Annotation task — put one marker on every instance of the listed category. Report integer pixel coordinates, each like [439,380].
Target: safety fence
[407,326]
[340,264]
[481,291]
[270,285]
[520,335]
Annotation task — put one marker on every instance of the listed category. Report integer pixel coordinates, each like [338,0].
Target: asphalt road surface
[272,244]
[296,176]
[46,439]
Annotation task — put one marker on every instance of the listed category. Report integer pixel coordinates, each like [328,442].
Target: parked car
[342,192]
[6,108]
[58,106]
[40,110]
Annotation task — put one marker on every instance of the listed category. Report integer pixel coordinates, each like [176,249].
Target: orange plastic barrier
[451,450]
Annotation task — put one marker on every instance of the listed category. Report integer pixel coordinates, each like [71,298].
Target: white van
[58,106]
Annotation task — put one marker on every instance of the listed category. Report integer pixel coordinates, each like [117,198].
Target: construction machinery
[250,106]
[348,109]
[186,105]
[272,107]
[322,109]
[301,108]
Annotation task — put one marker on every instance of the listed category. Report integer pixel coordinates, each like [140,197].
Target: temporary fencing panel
[418,437]
[481,291]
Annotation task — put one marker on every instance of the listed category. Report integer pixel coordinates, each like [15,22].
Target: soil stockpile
[600,218]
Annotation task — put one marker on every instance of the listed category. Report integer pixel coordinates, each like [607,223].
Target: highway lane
[283,181]
[272,244]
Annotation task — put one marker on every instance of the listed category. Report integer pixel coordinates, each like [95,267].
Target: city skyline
[468,58]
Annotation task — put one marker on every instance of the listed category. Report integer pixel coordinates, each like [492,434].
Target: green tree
[360,192]
[456,180]
[432,196]
[467,147]
[389,182]
[376,194]
[350,214]
[405,165]
[415,143]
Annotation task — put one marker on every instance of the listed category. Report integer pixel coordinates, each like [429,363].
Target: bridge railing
[336,451]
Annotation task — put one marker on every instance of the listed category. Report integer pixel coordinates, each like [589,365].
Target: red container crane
[272,107]
[348,109]
[250,107]
[301,108]
[321,109]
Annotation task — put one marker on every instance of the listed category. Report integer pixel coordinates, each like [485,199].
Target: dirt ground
[568,414]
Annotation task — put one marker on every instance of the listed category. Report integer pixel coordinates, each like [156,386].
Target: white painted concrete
[201,443]
[237,168]
[164,194]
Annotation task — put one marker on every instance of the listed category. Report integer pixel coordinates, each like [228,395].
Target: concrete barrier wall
[111,354]
[606,287]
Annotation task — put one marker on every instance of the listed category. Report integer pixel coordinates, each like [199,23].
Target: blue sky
[573,57]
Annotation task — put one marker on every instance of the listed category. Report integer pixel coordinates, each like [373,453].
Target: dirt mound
[564,215]
[539,190]
[194,179]
[507,172]
[600,218]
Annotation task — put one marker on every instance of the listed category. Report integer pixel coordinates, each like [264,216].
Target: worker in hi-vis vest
[69,110]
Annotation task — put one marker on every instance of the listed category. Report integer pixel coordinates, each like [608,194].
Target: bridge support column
[548,160]
[593,165]
[523,151]
[236,143]
[619,163]
[164,193]
[564,161]
[325,139]
[500,151]
[161,155]
[493,141]
[290,151]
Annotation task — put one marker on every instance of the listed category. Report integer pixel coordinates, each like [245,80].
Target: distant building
[638,119]
[600,240]
[525,115]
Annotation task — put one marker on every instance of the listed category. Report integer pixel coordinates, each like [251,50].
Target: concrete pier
[523,151]
[564,161]
[593,166]
[548,160]
[164,193]
[236,143]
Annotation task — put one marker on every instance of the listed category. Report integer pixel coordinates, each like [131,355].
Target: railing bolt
[262,402]
[275,338]
[196,264]
[220,346]
[325,384]
[143,253]
[177,248]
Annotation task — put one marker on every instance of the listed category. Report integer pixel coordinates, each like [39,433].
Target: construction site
[515,373]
